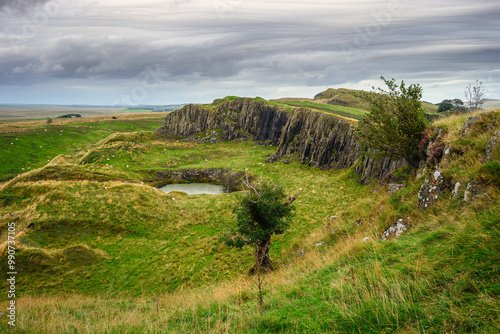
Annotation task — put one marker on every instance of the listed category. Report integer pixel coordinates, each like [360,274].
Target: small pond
[194,188]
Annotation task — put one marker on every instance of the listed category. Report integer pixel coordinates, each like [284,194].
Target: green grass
[111,255]
[32,147]
[329,108]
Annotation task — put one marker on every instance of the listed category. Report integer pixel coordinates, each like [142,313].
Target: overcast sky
[178,51]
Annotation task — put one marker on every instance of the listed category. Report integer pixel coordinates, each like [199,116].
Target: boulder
[396,229]
[434,186]
[301,253]
[468,125]
[491,146]
[334,231]
[454,192]
[471,191]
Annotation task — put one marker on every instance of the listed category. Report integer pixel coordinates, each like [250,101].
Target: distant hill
[351,98]
[491,104]
[342,101]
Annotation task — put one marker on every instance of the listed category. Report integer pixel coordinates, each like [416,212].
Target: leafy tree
[458,103]
[263,211]
[445,105]
[395,123]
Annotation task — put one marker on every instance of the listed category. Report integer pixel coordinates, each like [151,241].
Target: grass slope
[343,102]
[109,254]
[26,145]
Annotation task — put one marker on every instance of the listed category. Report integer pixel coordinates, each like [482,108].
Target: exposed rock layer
[314,138]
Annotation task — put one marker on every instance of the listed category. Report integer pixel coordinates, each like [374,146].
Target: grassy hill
[343,102]
[110,254]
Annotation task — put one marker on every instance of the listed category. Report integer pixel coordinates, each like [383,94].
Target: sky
[132,52]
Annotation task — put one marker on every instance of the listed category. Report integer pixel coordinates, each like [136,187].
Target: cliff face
[315,138]
[187,121]
[319,139]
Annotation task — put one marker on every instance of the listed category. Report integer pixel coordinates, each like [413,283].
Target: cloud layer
[108,49]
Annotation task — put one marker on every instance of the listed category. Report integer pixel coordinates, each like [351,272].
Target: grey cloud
[286,48]
[20,6]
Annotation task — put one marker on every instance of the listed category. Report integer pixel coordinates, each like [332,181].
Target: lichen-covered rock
[491,146]
[471,191]
[435,185]
[396,229]
[468,125]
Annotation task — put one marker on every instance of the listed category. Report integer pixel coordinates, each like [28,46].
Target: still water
[194,188]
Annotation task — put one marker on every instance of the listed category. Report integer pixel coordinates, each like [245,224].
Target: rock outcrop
[434,186]
[314,138]
[396,229]
[237,119]
[491,146]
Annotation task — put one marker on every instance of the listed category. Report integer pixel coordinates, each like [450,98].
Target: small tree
[396,122]
[445,105]
[458,103]
[264,210]
[474,95]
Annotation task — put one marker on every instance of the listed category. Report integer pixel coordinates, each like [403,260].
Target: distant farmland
[36,112]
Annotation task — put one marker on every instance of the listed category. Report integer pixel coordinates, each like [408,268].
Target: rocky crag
[314,138]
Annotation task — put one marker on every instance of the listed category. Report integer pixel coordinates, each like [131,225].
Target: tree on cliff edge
[396,122]
[263,211]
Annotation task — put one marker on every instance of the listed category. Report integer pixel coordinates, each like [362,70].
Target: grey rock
[454,192]
[434,186]
[467,125]
[394,187]
[490,147]
[333,218]
[366,239]
[359,222]
[395,230]
[422,168]
[471,191]
[446,150]
[301,252]
[319,244]
[334,230]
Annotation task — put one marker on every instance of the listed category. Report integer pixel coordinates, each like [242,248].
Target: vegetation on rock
[396,122]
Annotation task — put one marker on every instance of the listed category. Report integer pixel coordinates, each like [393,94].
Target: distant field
[30,144]
[491,104]
[329,108]
[37,112]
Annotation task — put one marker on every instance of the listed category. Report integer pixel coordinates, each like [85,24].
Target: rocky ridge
[315,138]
